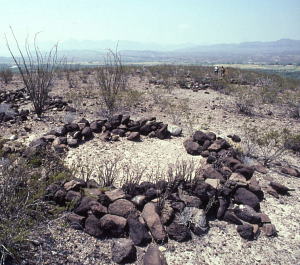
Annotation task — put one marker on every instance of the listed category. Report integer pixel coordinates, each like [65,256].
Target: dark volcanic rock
[246,231]
[134,136]
[281,189]
[244,196]
[113,225]
[200,137]
[76,221]
[121,207]
[137,231]
[123,251]
[153,256]
[92,226]
[192,147]
[248,214]
[179,232]
[230,217]
[153,222]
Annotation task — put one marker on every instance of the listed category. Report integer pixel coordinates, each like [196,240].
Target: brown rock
[290,171]
[115,194]
[281,189]
[113,225]
[123,251]
[272,192]
[76,221]
[154,256]
[269,230]
[134,136]
[121,207]
[153,222]
[92,226]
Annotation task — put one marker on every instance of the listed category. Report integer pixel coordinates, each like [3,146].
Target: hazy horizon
[163,23]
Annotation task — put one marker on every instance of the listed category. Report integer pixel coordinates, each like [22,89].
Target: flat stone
[153,222]
[121,207]
[115,194]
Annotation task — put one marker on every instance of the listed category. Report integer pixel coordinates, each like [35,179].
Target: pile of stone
[234,183]
[18,95]
[12,114]
[57,103]
[72,134]
[194,85]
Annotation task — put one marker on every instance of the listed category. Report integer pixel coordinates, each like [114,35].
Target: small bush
[112,80]
[266,144]
[6,75]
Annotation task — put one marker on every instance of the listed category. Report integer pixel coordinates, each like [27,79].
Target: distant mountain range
[284,51]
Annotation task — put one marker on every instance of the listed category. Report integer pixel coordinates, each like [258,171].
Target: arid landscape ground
[191,99]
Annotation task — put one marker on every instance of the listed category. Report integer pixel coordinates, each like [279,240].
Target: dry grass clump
[22,186]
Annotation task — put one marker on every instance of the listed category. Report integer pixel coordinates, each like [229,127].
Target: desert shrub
[182,171]
[6,75]
[37,70]
[112,80]
[131,175]
[129,99]
[21,200]
[108,171]
[265,143]
[245,101]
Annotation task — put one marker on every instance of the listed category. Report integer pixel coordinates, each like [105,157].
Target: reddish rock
[113,225]
[121,207]
[92,226]
[153,222]
[246,197]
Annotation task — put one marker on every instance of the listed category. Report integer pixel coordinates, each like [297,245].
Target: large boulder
[76,221]
[244,196]
[121,207]
[92,226]
[192,148]
[248,214]
[137,231]
[153,222]
[123,251]
[113,225]
[154,256]
[200,137]
[179,232]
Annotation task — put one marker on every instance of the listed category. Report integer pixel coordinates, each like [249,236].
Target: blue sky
[159,21]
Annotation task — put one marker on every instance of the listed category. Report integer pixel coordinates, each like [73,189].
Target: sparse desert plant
[37,70]
[131,176]
[266,144]
[112,80]
[245,101]
[21,200]
[6,75]
[108,171]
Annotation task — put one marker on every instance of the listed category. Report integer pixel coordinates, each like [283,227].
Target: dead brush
[6,75]
[265,144]
[181,172]
[108,171]
[131,177]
